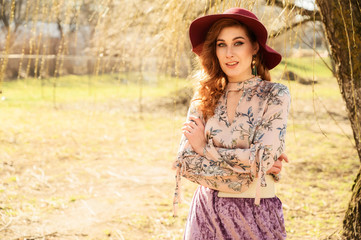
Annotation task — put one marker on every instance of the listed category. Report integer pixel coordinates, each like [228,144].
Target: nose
[229,52]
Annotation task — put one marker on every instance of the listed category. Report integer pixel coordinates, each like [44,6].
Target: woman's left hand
[194,131]
[277,166]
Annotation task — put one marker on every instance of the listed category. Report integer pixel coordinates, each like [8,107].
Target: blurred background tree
[118,35]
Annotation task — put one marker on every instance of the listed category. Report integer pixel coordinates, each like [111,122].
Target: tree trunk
[341,19]
[352,219]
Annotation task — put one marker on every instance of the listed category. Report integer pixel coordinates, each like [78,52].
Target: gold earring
[253,66]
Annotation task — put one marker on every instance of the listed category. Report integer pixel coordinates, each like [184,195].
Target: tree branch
[17,14]
[274,34]
[60,27]
[318,54]
[208,7]
[302,11]
[3,16]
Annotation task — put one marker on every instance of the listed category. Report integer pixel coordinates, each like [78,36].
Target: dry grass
[94,168]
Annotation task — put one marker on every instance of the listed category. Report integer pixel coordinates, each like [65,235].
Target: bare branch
[6,225]
[5,13]
[318,54]
[301,10]
[3,16]
[60,27]
[208,7]
[18,19]
[287,28]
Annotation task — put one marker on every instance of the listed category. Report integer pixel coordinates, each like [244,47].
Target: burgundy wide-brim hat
[199,28]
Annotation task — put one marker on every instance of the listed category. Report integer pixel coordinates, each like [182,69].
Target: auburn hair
[211,79]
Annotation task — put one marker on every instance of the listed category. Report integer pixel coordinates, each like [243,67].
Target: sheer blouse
[240,151]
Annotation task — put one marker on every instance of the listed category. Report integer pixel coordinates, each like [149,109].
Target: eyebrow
[232,39]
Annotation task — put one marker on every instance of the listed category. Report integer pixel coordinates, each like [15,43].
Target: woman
[234,136]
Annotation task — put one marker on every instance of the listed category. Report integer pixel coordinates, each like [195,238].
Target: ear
[255,48]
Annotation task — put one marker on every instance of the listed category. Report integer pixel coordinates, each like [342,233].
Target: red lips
[232,64]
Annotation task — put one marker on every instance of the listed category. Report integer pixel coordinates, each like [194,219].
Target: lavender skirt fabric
[214,218]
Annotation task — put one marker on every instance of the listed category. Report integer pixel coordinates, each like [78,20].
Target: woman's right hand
[277,166]
[194,132]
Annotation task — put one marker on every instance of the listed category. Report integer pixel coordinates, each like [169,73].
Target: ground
[97,168]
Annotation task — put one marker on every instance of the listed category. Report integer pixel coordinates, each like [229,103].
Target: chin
[233,75]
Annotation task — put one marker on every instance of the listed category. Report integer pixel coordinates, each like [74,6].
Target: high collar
[249,83]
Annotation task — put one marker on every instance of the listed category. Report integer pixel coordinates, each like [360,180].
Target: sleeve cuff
[276,177]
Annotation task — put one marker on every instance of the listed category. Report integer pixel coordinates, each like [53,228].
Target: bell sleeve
[197,168]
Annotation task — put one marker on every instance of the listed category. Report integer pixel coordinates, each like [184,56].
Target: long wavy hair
[211,79]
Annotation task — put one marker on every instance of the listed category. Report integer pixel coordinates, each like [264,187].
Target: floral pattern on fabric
[243,150]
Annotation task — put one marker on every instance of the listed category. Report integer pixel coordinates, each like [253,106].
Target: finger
[197,120]
[274,170]
[192,129]
[277,171]
[187,134]
[193,123]
[277,163]
[187,128]
[285,158]
[192,118]
[190,124]
[276,167]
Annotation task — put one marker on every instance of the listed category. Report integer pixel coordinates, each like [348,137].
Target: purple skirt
[214,218]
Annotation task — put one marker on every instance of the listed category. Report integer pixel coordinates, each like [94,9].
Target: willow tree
[341,19]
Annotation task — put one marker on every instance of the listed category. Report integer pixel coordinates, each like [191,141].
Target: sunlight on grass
[85,88]
[96,155]
[305,67]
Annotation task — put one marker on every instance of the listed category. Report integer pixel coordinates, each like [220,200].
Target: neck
[238,80]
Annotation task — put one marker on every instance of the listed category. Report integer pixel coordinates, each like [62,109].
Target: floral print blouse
[241,151]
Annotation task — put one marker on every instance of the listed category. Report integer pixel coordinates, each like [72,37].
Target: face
[234,51]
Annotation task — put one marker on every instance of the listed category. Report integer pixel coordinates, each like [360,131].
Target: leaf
[249,110]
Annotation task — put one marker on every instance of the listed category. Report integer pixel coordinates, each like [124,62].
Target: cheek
[245,56]
[249,54]
[248,59]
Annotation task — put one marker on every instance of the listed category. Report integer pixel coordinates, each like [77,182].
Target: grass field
[80,161]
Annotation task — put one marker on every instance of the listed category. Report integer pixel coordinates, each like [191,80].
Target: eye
[221,44]
[238,43]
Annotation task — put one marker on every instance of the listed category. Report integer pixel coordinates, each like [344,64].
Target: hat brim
[199,28]
[271,57]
